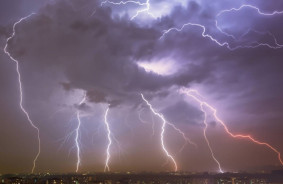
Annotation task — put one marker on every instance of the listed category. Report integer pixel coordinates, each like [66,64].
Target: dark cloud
[182,112]
[97,54]
[65,48]
[13,10]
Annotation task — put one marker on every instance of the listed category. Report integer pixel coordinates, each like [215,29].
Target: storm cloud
[69,47]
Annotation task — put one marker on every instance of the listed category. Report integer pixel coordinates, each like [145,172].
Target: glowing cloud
[164,67]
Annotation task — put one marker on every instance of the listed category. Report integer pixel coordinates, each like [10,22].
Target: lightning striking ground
[188,92]
[107,168]
[162,132]
[207,141]
[21,90]
[77,135]
[191,93]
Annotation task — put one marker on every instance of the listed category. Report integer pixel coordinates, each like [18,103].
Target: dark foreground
[276,177]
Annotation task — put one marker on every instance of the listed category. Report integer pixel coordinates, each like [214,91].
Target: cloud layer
[69,47]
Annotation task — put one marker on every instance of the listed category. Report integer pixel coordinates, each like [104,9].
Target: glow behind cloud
[161,67]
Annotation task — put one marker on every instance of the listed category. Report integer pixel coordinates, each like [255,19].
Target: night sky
[112,53]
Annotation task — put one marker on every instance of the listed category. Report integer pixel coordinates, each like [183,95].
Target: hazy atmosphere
[134,85]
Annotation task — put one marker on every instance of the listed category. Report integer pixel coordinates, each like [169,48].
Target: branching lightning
[123,3]
[191,93]
[77,135]
[162,132]
[145,122]
[207,141]
[67,137]
[263,33]
[146,4]
[146,9]
[277,45]
[194,94]
[252,7]
[206,35]
[204,32]
[186,139]
[21,89]
[107,168]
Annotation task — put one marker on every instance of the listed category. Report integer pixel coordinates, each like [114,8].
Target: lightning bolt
[204,32]
[77,135]
[260,13]
[140,118]
[186,139]
[262,33]
[162,132]
[145,122]
[252,7]
[123,3]
[207,141]
[146,9]
[146,4]
[107,168]
[111,138]
[67,137]
[21,89]
[191,93]
[206,35]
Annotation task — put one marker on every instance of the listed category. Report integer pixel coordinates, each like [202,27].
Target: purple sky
[113,53]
